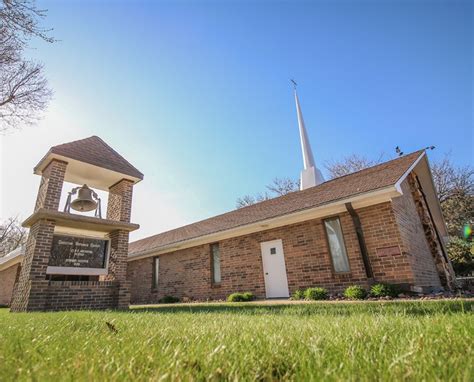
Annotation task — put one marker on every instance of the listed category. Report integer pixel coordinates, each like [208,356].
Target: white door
[274,269]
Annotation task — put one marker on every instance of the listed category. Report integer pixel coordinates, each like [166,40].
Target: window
[216,263]
[336,245]
[273,251]
[156,271]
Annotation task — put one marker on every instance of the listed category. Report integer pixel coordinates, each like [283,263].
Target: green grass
[423,340]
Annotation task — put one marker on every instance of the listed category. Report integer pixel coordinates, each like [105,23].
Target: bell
[84,201]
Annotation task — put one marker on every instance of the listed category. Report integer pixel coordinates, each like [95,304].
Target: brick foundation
[68,295]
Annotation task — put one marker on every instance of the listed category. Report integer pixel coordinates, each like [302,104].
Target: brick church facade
[382,224]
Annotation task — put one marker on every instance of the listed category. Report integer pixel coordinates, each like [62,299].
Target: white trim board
[398,185]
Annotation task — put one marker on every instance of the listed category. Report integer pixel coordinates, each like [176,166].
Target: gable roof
[94,151]
[364,181]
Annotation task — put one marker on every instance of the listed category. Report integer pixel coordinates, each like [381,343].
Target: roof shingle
[367,180]
[95,151]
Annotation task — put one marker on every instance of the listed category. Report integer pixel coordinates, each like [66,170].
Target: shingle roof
[95,151]
[367,180]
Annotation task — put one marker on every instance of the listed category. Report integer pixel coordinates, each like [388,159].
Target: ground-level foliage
[422,340]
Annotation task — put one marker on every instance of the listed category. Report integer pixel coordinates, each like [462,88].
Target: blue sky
[197,94]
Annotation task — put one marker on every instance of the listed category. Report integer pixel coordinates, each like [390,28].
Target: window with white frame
[216,263]
[337,248]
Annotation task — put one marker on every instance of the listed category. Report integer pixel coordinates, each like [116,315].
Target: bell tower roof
[91,161]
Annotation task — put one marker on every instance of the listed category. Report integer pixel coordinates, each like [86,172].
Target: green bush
[298,295]
[316,294]
[355,292]
[384,290]
[168,300]
[248,296]
[239,297]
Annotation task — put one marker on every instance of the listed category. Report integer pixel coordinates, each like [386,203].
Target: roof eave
[398,184]
[108,177]
[358,201]
[11,259]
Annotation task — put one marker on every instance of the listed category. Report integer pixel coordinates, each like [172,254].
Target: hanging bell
[84,201]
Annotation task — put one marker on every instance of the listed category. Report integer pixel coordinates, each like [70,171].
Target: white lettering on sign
[83,252]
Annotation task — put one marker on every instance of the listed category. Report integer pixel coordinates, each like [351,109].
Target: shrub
[384,290]
[316,294]
[248,296]
[168,300]
[355,292]
[239,297]
[298,295]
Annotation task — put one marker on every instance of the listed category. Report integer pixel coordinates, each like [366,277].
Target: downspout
[361,240]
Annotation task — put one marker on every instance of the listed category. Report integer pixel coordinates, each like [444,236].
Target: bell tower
[72,260]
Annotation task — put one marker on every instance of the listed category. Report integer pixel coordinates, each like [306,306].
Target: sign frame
[81,271]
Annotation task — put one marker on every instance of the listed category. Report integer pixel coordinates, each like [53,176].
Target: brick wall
[187,272]
[68,295]
[7,281]
[47,295]
[414,242]
[119,204]
[389,263]
[49,193]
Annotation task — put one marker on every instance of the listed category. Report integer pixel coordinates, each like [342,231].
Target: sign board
[78,255]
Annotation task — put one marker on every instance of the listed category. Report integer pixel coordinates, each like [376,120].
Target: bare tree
[350,164]
[248,200]
[455,187]
[278,187]
[283,186]
[24,91]
[451,181]
[12,236]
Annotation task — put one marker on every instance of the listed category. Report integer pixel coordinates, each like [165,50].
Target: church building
[381,224]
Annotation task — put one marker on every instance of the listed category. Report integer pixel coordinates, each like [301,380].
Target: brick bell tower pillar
[74,261]
[119,208]
[31,289]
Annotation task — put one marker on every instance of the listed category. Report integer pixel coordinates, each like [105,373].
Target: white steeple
[310,176]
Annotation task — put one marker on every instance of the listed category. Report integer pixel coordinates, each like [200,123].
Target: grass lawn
[420,340]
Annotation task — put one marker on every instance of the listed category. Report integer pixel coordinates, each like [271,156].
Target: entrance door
[274,269]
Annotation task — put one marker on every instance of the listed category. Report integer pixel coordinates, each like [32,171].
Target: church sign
[78,255]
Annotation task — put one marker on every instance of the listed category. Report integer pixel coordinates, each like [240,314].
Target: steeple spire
[310,176]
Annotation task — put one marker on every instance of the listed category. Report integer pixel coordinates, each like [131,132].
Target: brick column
[119,208]
[120,201]
[49,193]
[118,255]
[30,292]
